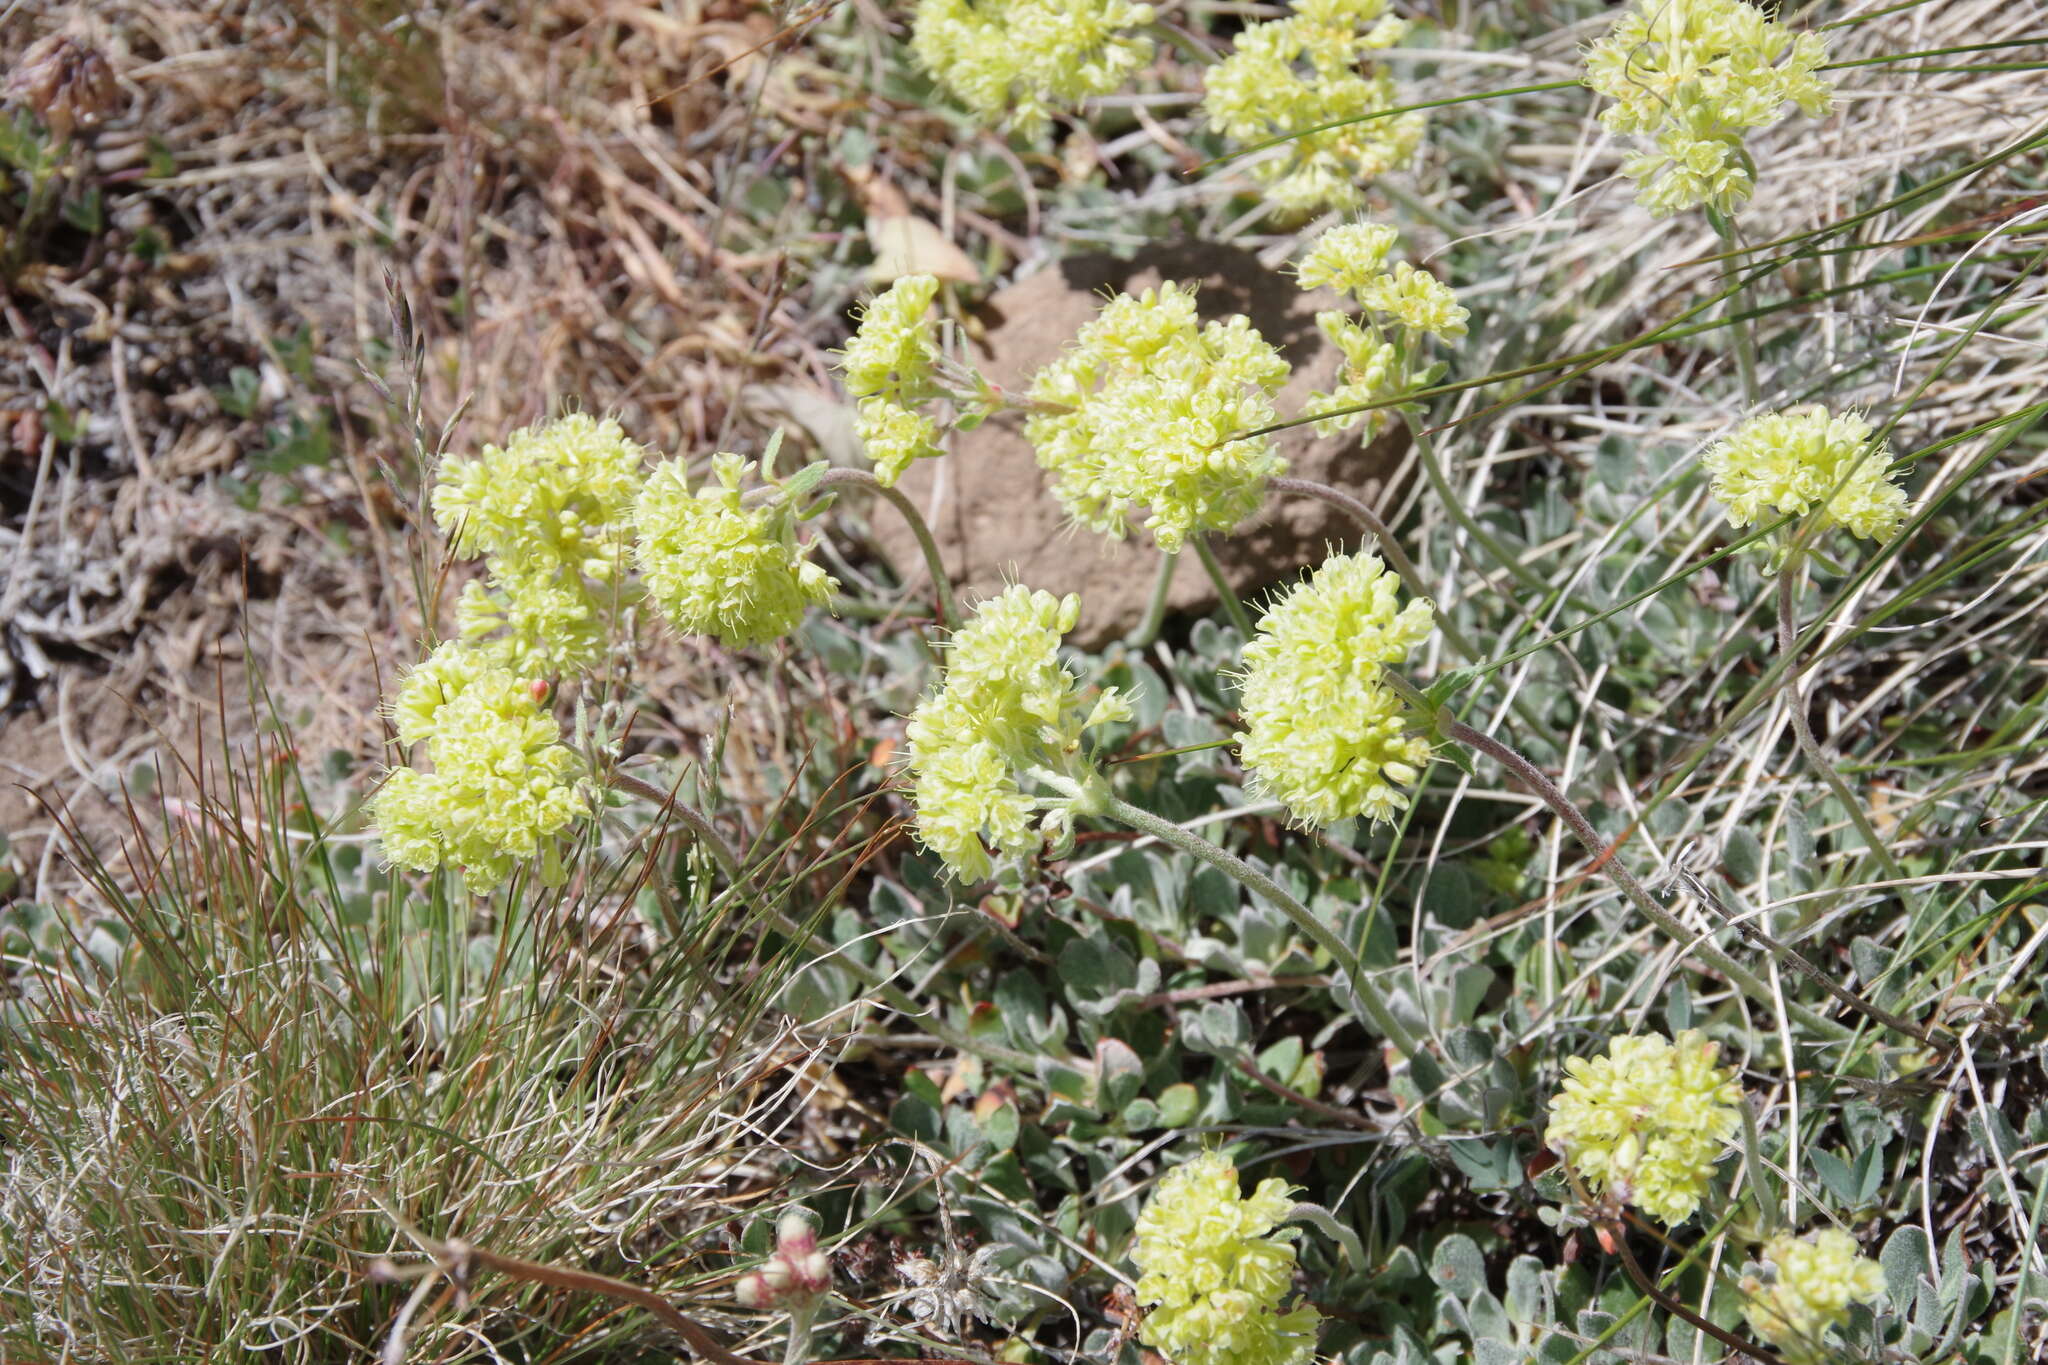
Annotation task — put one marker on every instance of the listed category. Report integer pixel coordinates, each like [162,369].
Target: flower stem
[1732,309]
[1155,609]
[1605,857]
[934,563]
[1440,484]
[1366,995]
[1232,606]
[1795,696]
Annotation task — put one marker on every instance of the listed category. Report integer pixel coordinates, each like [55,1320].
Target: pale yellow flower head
[1006,713]
[1323,733]
[1645,1124]
[1310,69]
[890,368]
[500,786]
[717,567]
[1017,62]
[1405,308]
[1695,76]
[1813,1281]
[1154,402]
[550,514]
[1791,462]
[1217,1267]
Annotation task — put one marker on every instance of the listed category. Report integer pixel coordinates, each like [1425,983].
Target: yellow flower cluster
[1646,1123]
[1216,1269]
[1016,62]
[1694,76]
[1323,733]
[714,566]
[1403,305]
[548,512]
[1802,458]
[889,365]
[1004,707]
[1149,404]
[1290,76]
[1815,1279]
[502,785]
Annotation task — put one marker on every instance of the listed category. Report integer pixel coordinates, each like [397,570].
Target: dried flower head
[65,82]
[1152,403]
[501,786]
[889,366]
[714,566]
[1695,76]
[1645,1124]
[1290,76]
[549,512]
[1803,458]
[1016,62]
[1217,1267]
[1323,734]
[1814,1280]
[1005,712]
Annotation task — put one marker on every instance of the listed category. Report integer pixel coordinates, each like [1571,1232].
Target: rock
[997,523]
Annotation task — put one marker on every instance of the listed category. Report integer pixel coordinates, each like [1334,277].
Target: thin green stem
[1606,858]
[1365,993]
[934,563]
[1232,607]
[1795,700]
[1440,484]
[1155,609]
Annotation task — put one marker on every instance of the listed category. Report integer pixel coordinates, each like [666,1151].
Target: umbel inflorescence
[1405,309]
[549,513]
[1801,459]
[1813,1281]
[1146,412]
[1017,62]
[1645,1124]
[1323,733]
[1005,717]
[1292,78]
[717,567]
[890,367]
[500,786]
[1217,1268]
[1694,78]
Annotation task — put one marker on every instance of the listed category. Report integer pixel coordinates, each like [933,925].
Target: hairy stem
[934,563]
[1365,993]
[1733,308]
[1605,858]
[1795,698]
[1440,484]
[1155,609]
[1233,607]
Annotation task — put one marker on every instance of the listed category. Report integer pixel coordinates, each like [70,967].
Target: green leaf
[1119,1073]
[1457,1265]
[1178,1105]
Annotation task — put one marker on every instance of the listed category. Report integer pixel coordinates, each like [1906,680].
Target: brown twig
[1617,1236]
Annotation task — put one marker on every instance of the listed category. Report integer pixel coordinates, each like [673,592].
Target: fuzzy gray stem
[1155,609]
[934,563]
[1233,607]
